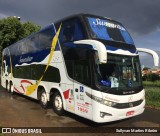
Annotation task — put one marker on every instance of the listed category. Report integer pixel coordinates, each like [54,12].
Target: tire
[57,103]
[8,87]
[11,89]
[43,100]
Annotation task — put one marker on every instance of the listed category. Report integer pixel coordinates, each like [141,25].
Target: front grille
[128,105]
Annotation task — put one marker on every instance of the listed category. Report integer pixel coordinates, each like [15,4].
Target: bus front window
[120,73]
[105,29]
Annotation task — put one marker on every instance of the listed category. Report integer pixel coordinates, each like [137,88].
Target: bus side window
[33,43]
[69,66]
[71,31]
[45,39]
[81,71]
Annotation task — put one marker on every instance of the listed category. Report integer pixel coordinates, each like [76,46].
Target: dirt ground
[19,111]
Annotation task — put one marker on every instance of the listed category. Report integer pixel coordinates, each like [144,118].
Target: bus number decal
[83,109]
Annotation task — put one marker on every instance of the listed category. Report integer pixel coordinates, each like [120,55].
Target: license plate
[129,113]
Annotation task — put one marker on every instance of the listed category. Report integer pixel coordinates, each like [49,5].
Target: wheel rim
[58,102]
[12,88]
[44,98]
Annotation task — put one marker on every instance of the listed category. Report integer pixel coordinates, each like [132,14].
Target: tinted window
[18,48]
[33,43]
[81,71]
[69,66]
[75,52]
[77,64]
[71,30]
[35,72]
[101,28]
[45,38]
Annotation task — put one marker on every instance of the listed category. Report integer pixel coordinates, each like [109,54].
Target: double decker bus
[84,64]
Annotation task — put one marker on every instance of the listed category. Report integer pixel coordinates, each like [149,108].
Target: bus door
[83,105]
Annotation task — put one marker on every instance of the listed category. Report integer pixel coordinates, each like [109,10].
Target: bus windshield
[105,29]
[120,72]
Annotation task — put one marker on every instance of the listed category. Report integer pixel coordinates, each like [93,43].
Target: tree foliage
[151,77]
[12,30]
[146,68]
[30,28]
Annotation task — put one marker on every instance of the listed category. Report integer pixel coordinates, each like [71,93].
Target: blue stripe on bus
[127,37]
[111,48]
[101,32]
[72,45]
[36,57]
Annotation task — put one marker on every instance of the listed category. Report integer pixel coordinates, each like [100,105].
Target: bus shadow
[19,97]
[90,123]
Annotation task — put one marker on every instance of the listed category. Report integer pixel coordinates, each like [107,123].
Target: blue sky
[140,17]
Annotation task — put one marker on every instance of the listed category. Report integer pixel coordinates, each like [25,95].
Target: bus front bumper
[108,114]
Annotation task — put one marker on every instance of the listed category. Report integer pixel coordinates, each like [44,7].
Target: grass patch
[151,84]
[153,96]
[1,131]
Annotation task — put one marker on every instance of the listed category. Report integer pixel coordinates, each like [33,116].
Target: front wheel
[57,103]
[43,99]
[11,88]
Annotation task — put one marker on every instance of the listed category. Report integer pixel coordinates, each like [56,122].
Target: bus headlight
[109,103]
[103,101]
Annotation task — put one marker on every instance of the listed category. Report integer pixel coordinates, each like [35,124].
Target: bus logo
[130,104]
[130,98]
[23,60]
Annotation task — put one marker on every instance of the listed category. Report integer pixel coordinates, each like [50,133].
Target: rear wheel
[11,88]
[7,86]
[57,103]
[43,99]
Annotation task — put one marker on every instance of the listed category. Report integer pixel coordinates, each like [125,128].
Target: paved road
[19,111]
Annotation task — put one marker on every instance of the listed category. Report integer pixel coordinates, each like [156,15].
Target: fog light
[102,114]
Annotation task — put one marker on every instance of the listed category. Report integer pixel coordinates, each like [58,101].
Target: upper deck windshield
[120,73]
[105,29]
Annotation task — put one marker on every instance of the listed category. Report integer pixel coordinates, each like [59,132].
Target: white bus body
[74,74]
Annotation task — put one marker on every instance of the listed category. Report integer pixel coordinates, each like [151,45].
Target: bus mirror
[98,46]
[151,52]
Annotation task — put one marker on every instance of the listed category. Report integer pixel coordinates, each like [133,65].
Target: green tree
[30,28]
[12,30]
[146,68]
[151,77]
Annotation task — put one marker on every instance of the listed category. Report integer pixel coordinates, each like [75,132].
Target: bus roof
[113,39]
[82,15]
